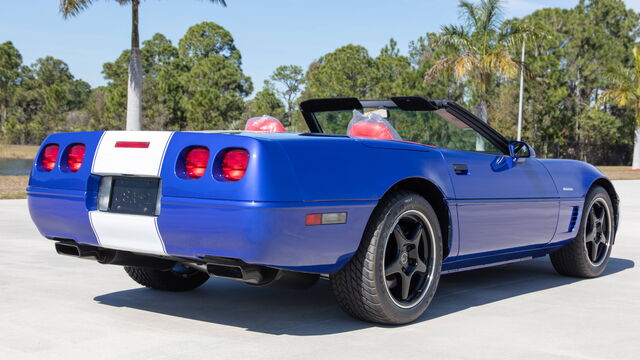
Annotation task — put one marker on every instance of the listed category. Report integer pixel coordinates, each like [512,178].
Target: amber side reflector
[132,144]
[313,219]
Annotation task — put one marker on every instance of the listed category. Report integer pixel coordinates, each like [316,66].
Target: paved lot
[55,307]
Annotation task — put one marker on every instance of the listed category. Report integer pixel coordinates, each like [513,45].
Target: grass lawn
[620,172]
[18,151]
[12,187]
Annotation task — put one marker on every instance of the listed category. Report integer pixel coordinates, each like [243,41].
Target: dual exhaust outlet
[228,268]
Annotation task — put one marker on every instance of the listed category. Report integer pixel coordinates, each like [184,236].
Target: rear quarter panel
[342,168]
[59,200]
[261,217]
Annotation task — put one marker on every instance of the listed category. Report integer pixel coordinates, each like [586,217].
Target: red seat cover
[371,130]
[265,125]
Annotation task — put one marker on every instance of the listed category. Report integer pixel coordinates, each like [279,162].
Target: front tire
[588,254]
[178,278]
[394,274]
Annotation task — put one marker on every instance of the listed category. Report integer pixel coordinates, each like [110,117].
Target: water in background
[15,166]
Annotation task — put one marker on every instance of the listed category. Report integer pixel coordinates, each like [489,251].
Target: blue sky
[268,33]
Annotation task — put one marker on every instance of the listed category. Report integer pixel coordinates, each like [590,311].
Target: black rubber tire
[572,259]
[360,287]
[167,280]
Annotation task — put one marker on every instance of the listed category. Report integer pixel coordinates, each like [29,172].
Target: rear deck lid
[131,153]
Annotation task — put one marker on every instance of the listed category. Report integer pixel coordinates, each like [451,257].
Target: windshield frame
[308,109]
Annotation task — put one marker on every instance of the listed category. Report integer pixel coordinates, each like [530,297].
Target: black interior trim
[417,103]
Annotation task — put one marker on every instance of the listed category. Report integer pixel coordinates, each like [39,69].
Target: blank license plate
[137,196]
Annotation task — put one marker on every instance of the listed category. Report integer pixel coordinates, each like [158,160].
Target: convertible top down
[383,196]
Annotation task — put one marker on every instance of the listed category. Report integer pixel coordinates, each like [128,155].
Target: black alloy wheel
[407,258]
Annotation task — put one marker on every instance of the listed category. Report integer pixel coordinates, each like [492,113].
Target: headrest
[371,130]
[265,123]
[371,125]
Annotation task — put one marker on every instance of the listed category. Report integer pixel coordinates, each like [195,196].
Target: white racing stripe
[136,233]
[110,160]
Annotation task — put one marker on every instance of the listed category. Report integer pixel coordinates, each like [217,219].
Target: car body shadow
[315,312]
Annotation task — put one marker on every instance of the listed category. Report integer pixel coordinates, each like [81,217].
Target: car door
[503,203]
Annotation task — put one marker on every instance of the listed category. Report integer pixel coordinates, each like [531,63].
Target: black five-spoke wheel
[598,231]
[394,274]
[407,255]
[588,254]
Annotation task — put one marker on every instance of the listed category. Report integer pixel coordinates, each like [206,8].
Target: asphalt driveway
[55,307]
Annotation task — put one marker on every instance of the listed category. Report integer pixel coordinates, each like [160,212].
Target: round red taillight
[75,157]
[234,164]
[196,162]
[50,156]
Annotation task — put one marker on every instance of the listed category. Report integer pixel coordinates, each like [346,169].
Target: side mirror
[520,149]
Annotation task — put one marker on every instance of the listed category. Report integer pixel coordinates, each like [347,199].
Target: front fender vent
[574,218]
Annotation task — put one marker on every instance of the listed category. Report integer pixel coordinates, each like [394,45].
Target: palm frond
[636,59]
[500,62]
[625,89]
[492,14]
[468,13]
[70,8]
[455,37]
[624,78]
[617,97]
[464,65]
[441,67]
[221,2]
[513,33]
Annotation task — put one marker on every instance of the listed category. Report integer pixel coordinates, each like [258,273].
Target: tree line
[573,57]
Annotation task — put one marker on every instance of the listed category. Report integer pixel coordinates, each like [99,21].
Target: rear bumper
[264,233]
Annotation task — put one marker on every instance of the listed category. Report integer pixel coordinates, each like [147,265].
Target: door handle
[461,169]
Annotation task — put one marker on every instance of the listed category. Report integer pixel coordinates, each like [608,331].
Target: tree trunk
[636,149]
[482,113]
[3,119]
[134,90]
[289,112]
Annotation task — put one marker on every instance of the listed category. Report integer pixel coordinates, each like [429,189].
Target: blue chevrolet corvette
[380,196]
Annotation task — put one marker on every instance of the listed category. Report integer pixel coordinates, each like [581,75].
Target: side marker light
[326,218]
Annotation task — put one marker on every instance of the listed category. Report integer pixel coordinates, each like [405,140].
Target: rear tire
[588,254]
[394,274]
[178,278]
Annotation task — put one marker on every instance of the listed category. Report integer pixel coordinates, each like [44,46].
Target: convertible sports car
[381,197]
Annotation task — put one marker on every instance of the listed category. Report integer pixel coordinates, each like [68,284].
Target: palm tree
[626,93]
[70,8]
[480,50]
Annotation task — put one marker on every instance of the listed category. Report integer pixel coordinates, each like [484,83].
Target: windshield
[436,128]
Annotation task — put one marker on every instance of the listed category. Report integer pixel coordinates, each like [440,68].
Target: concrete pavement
[54,307]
